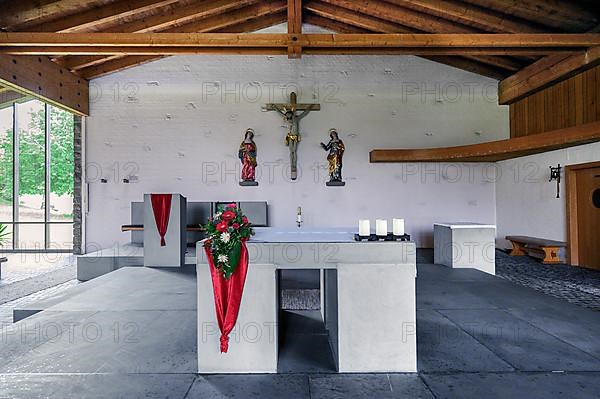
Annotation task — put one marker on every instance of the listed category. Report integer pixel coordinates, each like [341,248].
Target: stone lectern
[172,253]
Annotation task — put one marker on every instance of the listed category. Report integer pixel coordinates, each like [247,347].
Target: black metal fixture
[555,175]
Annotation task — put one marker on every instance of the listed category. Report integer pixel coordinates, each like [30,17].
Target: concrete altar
[465,245]
[368,302]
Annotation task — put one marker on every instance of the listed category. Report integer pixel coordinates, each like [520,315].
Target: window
[36,176]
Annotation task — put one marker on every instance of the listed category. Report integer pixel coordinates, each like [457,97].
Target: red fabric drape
[161,206]
[228,294]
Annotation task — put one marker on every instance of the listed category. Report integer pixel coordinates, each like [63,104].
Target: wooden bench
[547,250]
[2,260]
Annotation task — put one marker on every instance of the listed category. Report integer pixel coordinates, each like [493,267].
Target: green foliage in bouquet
[4,233]
[225,233]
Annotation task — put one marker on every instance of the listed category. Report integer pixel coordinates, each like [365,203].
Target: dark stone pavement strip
[574,284]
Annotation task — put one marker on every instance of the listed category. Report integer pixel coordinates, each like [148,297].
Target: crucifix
[292,117]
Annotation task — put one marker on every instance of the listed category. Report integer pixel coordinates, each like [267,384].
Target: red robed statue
[247,155]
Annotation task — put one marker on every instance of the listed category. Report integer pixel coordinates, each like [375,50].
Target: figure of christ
[292,118]
[292,113]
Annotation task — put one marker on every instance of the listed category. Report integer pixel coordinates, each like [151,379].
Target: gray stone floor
[577,285]
[134,334]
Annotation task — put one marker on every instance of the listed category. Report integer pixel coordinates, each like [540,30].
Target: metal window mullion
[47,177]
[15,232]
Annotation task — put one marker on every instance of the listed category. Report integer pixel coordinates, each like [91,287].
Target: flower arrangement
[225,234]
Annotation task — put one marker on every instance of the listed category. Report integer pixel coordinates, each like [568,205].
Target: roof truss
[499,56]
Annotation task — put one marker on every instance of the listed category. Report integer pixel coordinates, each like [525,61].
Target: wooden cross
[292,118]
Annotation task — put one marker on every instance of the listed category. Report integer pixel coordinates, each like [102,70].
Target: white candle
[381,227]
[364,227]
[398,227]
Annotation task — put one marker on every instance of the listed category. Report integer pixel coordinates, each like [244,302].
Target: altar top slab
[466,225]
[303,235]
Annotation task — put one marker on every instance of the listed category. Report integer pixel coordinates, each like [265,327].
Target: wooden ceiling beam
[172,16]
[565,16]
[483,42]
[456,62]
[40,77]
[207,24]
[547,71]
[544,73]
[294,12]
[495,150]
[381,26]
[320,47]
[403,16]
[18,14]
[122,63]
[86,20]
[470,15]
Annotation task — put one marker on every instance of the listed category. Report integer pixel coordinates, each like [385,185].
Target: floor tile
[515,385]
[276,386]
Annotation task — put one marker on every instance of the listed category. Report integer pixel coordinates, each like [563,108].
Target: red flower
[232,206]
[245,219]
[228,215]
[222,227]
[236,226]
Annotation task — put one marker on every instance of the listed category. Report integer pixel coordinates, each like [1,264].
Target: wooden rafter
[377,25]
[191,43]
[121,63]
[470,15]
[105,14]
[495,150]
[168,16]
[544,73]
[457,62]
[294,22]
[206,24]
[563,15]
[18,14]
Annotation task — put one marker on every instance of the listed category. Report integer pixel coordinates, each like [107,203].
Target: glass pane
[31,236]
[6,241]
[6,164]
[32,158]
[61,237]
[62,165]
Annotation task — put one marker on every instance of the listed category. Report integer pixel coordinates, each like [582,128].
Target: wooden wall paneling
[568,103]
[589,87]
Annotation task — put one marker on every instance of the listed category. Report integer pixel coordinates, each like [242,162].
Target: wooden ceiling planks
[120,63]
[375,16]
[210,23]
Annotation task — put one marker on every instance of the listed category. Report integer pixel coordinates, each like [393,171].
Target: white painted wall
[526,201]
[172,122]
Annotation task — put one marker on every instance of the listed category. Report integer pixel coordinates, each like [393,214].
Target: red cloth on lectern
[228,294]
[161,206]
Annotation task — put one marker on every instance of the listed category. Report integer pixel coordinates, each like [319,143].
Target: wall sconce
[555,175]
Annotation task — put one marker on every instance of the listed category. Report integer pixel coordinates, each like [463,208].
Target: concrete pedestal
[368,293]
[465,245]
[173,253]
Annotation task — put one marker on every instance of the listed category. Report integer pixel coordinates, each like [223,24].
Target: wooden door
[588,216]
